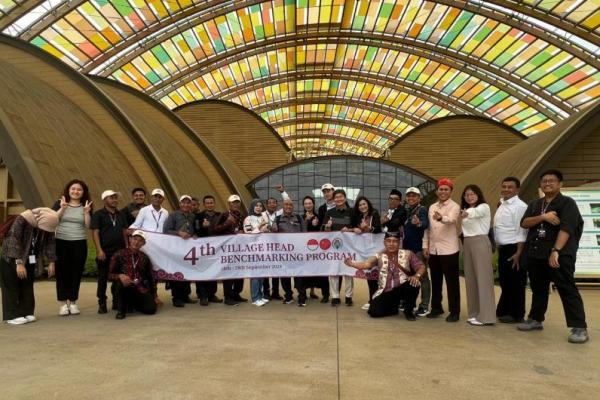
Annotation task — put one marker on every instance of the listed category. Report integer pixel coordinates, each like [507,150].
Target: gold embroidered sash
[384,264]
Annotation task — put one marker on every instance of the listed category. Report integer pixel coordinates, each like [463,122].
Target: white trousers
[334,286]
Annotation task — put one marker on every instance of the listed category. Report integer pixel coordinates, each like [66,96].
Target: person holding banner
[131,270]
[181,223]
[271,212]
[400,274]
[131,210]
[256,223]
[339,219]
[152,217]
[231,222]
[555,227]
[393,220]
[204,225]
[290,222]
[314,225]
[366,220]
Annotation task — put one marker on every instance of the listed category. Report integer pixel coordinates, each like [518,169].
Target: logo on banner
[325,244]
[337,243]
[312,244]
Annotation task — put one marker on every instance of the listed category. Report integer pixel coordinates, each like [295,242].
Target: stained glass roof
[335,76]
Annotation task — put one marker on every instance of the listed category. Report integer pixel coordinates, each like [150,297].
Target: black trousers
[70,261]
[130,297]
[17,294]
[300,284]
[286,284]
[373,286]
[103,270]
[513,282]
[180,290]
[232,288]
[540,276]
[387,303]
[267,287]
[206,289]
[445,266]
[322,282]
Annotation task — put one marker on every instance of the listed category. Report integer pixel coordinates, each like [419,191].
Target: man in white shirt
[152,217]
[510,239]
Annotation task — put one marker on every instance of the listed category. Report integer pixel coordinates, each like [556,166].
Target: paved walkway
[286,352]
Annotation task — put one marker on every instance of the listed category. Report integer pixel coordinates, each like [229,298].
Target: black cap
[392,234]
[396,192]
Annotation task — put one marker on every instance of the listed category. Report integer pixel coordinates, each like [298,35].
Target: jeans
[256,289]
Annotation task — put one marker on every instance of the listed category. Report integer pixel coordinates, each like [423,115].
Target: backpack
[6,225]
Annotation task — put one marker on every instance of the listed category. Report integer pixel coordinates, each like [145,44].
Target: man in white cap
[109,231]
[415,225]
[231,222]
[131,270]
[152,217]
[181,223]
[327,190]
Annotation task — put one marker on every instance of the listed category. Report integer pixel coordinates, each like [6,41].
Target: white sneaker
[63,310]
[17,321]
[264,300]
[471,320]
[474,321]
[30,318]
[258,303]
[366,306]
[74,309]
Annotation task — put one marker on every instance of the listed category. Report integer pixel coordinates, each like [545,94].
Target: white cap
[327,186]
[159,192]
[233,197]
[185,196]
[108,193]
[413,190]
[139,233]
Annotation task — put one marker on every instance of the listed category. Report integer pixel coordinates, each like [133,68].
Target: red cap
[445,182]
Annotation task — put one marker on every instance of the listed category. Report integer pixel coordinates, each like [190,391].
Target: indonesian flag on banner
[259,255]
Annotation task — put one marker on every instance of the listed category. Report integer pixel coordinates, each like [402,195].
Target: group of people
[421,250]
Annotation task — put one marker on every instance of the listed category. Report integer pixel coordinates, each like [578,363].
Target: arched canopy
[526,64]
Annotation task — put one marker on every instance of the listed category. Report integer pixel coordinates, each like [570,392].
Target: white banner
[259,255]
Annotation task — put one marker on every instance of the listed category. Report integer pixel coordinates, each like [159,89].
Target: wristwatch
[19,261]
[554,249]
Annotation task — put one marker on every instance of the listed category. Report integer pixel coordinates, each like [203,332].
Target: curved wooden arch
[342,139]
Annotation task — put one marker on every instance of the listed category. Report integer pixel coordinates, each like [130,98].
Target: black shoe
[401,305]
[215,299]
[410,316]
[452,318]
[325,300]
[435,313]
[120,315]
[288,300]
[102,308]
[178,303]
[349,301]
[188,300]
[301,302]
[204,302]
[276,297]
[240,299]
[230,302]
[507,319]
[335,302]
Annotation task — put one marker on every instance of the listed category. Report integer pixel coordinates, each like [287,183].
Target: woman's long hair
[475,189]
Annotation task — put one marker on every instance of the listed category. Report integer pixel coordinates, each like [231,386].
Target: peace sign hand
[88,206]
[63,202]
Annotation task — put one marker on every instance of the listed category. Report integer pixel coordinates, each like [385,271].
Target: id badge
[32,259]
[541,233]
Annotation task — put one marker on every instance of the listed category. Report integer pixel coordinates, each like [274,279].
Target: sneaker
[265,300]
[474,322]
[579,335]
[17,321]
[410,316]
[435,313]
[229,302]
[258,303]
[288,301]
[349,301]
[74,309]
[102,308]
[325,300]
[530,325]
[215,299]
[365,306]
[301,303]
[204,302]
[30,318]
[507,319]
[335,302]
[469,320]
[452,318]
[422,311]
[63,310]
[401,306]
[120,315]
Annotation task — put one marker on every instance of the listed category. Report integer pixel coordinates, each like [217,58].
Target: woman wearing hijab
[30,237]
[256,223]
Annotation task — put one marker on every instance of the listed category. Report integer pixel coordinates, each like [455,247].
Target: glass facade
[357,176]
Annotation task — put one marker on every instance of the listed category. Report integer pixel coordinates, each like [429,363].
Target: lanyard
[155,219]
[34,239]
[113,219]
